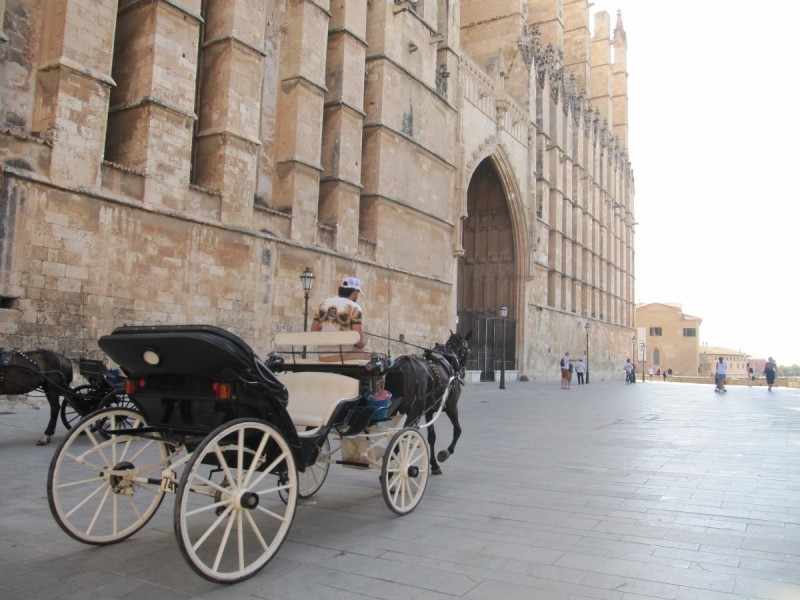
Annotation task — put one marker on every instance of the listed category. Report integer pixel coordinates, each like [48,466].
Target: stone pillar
[620,84]
[601,67]
[72,87]
[300,109]
[340,187]
[577,43]
[549,15]
[151,113]
[229,105]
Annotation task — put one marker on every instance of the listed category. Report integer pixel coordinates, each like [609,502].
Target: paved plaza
[608,491]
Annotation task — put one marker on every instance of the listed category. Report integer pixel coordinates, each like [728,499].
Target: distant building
[735,360]
[671,337]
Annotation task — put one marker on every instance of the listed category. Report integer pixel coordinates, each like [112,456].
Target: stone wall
[185,164]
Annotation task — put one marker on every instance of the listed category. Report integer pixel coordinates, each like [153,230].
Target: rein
[380,337]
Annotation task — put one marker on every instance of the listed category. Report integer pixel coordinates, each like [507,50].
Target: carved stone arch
[491,169]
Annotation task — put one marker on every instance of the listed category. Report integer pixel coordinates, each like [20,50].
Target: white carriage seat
[314,396]
[312,340]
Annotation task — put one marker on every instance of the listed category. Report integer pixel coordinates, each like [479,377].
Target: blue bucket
[383,404]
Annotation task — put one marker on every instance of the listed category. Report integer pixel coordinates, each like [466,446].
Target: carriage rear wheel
[229,517]
[405,471]
[97,486]
[84,396]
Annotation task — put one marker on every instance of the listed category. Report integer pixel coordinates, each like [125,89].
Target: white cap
[352,283]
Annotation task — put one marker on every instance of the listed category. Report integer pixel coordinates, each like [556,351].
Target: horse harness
[6,356]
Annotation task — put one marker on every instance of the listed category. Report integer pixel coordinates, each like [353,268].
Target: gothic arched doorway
[487,273]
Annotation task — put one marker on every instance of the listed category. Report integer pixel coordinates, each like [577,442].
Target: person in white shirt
[719,376]
[580,369]
[628,370]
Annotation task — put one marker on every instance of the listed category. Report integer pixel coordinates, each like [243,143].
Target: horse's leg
[435,468]
[452,414]
[52,399]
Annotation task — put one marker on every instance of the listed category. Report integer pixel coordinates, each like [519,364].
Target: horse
[23,372]
[420,380]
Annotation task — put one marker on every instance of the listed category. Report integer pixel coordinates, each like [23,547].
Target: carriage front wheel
[100,486]
[229,517]
[405,471]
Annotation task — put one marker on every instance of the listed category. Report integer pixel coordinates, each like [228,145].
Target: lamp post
[588,328]
[633,341]
[503,315]
[307,279]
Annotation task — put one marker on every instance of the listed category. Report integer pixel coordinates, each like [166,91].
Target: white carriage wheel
[97,484]
[231,528]
[314,476]
[405,471]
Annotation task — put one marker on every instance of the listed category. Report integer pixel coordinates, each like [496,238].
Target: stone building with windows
[671,337]
[182,161]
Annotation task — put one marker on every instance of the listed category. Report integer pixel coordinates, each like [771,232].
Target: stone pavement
[608,491]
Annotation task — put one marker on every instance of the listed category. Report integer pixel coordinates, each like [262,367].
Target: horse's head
[459,345]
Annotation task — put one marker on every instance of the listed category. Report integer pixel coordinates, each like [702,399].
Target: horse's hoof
[443,455]
[44,440]
[436,471]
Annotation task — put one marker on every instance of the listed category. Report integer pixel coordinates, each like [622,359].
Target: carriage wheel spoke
[85,500]
[256,531]
[241,539]
[81,482]
[97,512]
[280,488]
[211,529]
[398,486]
[97,447]
[223,464]
[116,509]
[208,507]
[267,471]
[261,445]
[141,450]
[271,514]
[224,541]
[219,488]
[419,487]
[133,506]
[240,459]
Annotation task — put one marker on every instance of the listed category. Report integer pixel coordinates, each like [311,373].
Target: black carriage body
[178,386]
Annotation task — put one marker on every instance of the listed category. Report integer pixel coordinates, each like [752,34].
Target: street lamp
[633,341]
[307,279]
[588,328]
[503,315]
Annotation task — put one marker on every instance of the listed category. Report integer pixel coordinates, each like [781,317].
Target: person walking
[770,370]
[565,371]
[651,373]
[750,375]
[664,375]
[580,369]
[720,375]
[628,368]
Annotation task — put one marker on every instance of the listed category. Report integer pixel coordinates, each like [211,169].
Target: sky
[714,129]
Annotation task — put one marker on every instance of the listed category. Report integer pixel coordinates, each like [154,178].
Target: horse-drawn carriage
[257,437]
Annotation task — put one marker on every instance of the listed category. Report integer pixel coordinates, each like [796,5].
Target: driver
[341,313]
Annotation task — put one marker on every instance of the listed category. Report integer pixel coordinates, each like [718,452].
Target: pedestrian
[580,369]
[750,375]
[571,369]
[651,373]
[720,375]
[664,375]
[770,370]
[658,372]
[565,371]
[628,368]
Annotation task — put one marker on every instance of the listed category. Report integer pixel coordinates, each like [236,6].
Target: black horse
[421,380]
[23,372]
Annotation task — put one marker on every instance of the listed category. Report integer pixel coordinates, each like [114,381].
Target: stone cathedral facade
[183,161]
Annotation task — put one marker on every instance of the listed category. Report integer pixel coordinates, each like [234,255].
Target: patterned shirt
[337,314]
